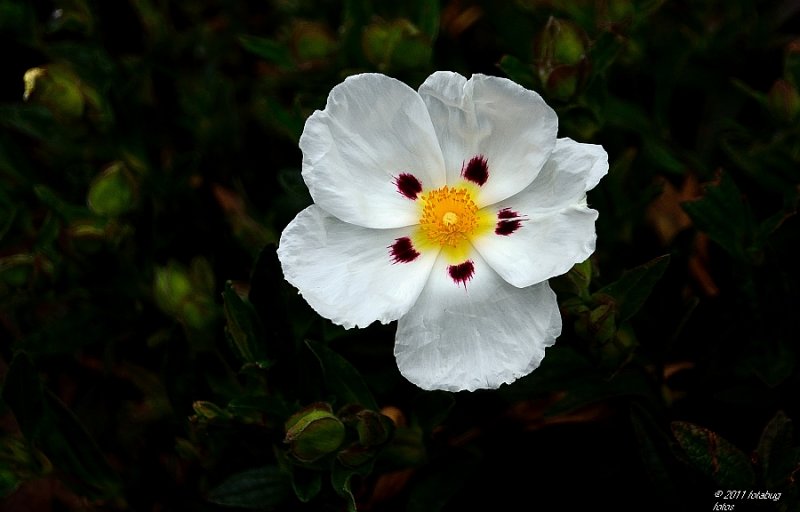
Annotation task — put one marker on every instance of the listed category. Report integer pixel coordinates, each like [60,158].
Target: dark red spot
[408,185]
[476,170]
[508,221]
[507,213]
[462,272]
[402,251]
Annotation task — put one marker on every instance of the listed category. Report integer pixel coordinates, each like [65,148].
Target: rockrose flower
[446,209]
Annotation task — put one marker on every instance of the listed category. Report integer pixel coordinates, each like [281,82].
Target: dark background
[151,353]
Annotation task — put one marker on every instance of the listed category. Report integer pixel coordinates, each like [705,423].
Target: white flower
[446,209]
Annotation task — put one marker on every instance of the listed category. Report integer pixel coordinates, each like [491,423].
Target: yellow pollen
[449,216]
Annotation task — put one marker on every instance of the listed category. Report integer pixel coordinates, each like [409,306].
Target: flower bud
[560,51]
[374,429]
[16,270]
[311,41]
[171,287]
[784,101]
[314,432]
[355,455]
[791,61]
[57,88]
[396,45]
[112,192]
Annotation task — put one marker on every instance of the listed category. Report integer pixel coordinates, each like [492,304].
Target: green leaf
[48,423]
[432,407]
[428,18]
[23,393]
[604,52]
[342,476]
[714,455]
[661,156]
[64,209]
[340,480]
[630,291]
[405,450]
[13,161]
[259,488]
[34,120]
[342,378]
[272,51]
[723,214]
[653,449]
[243,327]
[440,481]
[306,483]
[18,20]
[597,389]
[778,455]
[517,71]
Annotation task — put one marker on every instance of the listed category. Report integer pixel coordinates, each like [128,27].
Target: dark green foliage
[152,357]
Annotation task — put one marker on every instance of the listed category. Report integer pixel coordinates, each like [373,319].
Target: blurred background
[154,359]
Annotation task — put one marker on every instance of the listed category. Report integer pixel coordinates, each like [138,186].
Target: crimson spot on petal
[476,170]
[462,272]
[508,221]
[402,251]
[408,185]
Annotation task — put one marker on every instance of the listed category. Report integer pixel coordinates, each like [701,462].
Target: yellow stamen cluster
[449,216]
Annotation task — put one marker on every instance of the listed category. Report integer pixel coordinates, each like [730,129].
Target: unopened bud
[784,102]
[374,429]
[561,42]
[57,88]
[311,41]
[355,455]
[314,432]
[396,44]
[560,53]
[112,192]
[171,287]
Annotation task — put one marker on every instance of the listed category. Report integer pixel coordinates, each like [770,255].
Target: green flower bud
[314,432]
[560,51]
[197,313]
[355,455]
[784,102]
[112,192]
[57,88]
[791,61]
[16,270]
[561,42]
[171,287]
[311,41]
[374,429]
[397,44]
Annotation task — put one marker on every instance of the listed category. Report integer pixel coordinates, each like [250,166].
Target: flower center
[449,216]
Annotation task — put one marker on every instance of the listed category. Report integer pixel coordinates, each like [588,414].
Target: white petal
[512,127]
[479,336]
[373,128]
[558,229]
[346,272]
[544,246]
[572,170]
